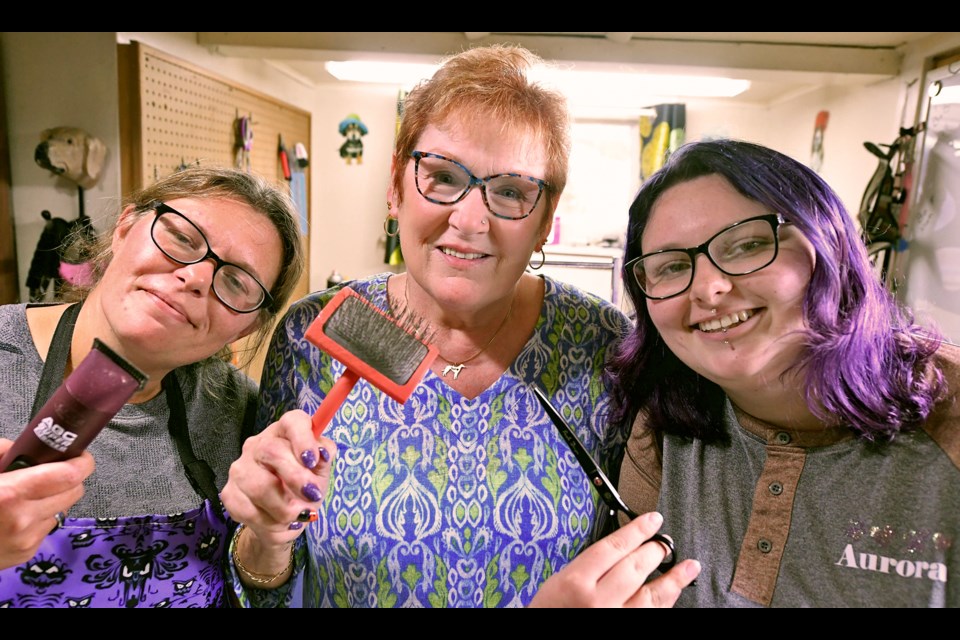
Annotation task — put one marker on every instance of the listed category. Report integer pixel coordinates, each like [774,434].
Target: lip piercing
[713,312]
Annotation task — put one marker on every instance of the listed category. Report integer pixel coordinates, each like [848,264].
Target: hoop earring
[543,260]
[391,223]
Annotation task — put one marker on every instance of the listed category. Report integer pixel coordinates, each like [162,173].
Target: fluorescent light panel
[612,87]
[404,74]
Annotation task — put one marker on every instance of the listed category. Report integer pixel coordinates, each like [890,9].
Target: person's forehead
[696,209]
[487,148]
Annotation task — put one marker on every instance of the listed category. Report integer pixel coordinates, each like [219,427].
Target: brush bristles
[392,346]
[410,321]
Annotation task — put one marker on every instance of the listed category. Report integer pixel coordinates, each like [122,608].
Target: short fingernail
[309,458]
[655,518]
[312,492]
[308,515]
[295,526]
[324,454]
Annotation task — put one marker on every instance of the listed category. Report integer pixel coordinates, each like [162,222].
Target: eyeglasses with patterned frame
[742,248]
[179,239]
[441,180]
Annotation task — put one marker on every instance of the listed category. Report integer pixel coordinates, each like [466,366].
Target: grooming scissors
[598,479]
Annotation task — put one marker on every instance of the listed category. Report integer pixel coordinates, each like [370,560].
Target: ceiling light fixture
[404,74]
[634,84]
[625,92]
[682,86]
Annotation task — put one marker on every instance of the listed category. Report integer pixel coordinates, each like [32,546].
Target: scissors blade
[597,477]
[599,480]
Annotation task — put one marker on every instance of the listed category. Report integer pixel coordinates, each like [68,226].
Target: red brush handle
[331,404]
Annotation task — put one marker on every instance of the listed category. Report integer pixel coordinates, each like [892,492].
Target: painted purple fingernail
[309,458]
[324,454]
[295,526]
[311,492]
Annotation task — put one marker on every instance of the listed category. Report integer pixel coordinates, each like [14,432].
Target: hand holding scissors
[599,479]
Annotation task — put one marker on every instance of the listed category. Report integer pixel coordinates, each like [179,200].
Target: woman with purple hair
[798,431]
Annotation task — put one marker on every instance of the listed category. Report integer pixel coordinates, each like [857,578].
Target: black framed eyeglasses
[440,180]
[183,242]
[744,247]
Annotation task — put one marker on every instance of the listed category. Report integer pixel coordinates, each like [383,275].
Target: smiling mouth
[173,308]
[725,322]
[462,256]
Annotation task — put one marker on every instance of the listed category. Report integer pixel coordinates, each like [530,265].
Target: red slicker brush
[389,353]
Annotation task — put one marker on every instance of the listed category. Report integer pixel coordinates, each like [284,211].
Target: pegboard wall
[173,113]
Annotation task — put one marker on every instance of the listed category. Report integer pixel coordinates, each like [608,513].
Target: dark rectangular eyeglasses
[183,242]
[744,247]
[440,180]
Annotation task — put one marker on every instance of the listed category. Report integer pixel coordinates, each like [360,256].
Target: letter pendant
[455,368]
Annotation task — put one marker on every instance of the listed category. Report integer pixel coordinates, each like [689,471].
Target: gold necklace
[456,368]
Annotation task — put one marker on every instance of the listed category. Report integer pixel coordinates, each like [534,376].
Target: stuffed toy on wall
[353,129]
[71,153]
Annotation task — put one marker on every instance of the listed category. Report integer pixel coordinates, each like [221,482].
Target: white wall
[71,78]
[857,115]
[351,199]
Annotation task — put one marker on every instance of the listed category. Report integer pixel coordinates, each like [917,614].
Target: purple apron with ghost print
[139,561]
[173,560]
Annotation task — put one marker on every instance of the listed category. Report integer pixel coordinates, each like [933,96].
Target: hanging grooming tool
[244,143]
[284,160]
[389,353]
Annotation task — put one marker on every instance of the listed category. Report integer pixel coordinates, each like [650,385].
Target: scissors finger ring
[671,558]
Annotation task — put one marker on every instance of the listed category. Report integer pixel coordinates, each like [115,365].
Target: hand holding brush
[279,481]
[275,489]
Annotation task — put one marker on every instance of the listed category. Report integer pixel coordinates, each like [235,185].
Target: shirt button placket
[775,488]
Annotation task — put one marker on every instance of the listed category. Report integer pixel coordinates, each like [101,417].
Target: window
[604,178]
